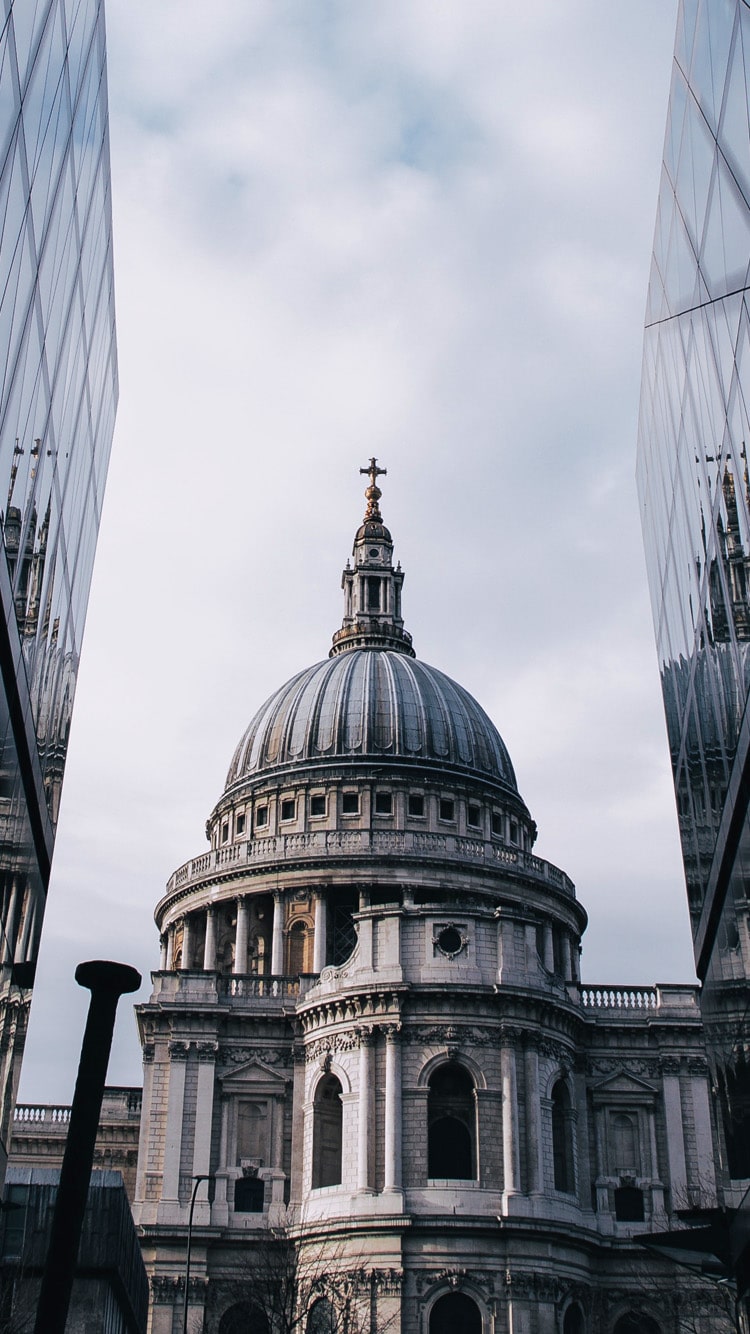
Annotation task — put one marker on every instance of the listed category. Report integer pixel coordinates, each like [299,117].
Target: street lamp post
[205,1176]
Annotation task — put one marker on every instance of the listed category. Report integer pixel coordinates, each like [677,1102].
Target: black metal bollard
[107,982]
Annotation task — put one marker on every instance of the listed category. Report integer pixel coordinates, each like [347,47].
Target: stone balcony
[264,991]
[638,1003]
[256,855]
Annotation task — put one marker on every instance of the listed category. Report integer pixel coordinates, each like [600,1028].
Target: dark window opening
[288,809]
[416,803]
[373,594]
[513,832]
[498,824]
[562,1139]
[224,832]
[383,803]
[629,1204]
[343,932]
[455,1313]
[327,1133]
[451,1125]
[249,1195]
[558,956]
[447,808]
[350,803]
[317,805]
[261,816]
[240,826]
[450,941]
[473,816]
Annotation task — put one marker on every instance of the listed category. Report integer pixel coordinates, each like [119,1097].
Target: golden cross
[374,471]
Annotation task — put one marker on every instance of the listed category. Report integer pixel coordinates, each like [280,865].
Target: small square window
[261,816]
[288,808]
[473,816]
[240,824]
[225,832]
[446,809]
[383,803]
[350,803]
[317,805]
[416,803]
[498,824]
[513,832]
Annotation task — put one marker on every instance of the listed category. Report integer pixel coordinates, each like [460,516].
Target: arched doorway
[451,1124]
[636,1324]
[244,1318]
[455,1313]
[574,1322]
[327,1133]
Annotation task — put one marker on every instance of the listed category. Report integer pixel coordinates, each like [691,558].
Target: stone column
[549,948]
[11,923]
[582,1133]
[186,943]
[240,940]
[534,1166]
[675,1134]
[320,942]
[277,939]
[365,1108]
[510,1118]
[392,1175]
[567,957]
[209,949]
[703,1136]
[170,949]
[170,1188]
[163,948]
[204,1108]
[147,1124]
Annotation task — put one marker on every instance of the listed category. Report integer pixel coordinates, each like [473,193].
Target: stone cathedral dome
[373,704]
[371,700]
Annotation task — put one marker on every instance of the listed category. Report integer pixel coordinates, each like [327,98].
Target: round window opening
[374,551]
[450,941]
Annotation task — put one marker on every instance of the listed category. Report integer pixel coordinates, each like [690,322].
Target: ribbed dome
[373,704]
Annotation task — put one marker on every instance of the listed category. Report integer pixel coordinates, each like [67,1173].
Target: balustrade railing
[278,848]
[41,1114]
[620,998]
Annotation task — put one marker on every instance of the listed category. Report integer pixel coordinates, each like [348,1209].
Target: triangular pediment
[252,1074]
[623,1084]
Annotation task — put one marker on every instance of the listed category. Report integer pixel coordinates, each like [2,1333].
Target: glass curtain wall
[58,395]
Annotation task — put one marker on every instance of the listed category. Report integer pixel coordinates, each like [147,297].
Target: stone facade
[369,1031]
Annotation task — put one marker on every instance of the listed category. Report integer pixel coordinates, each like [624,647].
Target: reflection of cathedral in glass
[58,392]
[695,501]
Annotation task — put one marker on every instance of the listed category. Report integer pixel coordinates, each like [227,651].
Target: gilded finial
[373,492]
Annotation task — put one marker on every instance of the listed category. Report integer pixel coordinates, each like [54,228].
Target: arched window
[636,1324]
[322,1317]
[451,1124]
[562,1138]
[297,950]
[574,1322]
[455,1313]
[327,1127]
[629,1204]
[623,1131]
[244,1318]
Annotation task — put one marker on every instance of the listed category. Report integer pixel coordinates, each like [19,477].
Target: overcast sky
[408,228]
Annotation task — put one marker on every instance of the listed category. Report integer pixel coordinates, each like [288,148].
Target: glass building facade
[694,487]
[58,394]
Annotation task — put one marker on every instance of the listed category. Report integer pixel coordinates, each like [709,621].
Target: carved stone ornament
[178,1051]
[149,1051]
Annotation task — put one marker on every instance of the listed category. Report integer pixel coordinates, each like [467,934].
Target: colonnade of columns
[208,960]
